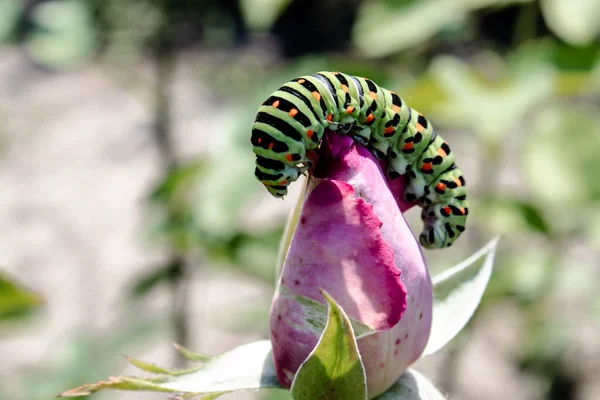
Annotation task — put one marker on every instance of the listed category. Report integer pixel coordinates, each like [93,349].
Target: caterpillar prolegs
[292,122]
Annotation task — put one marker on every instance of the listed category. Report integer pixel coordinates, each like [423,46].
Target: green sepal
[247,367]
[334,369]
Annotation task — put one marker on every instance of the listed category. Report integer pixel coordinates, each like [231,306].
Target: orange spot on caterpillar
[419,128]
[271,145]
[288,157]
[389,129]
[441,152]
[440,186]
[345,88]
[301,81]
[293,112]
[316,95]
[408,146]
[259,140]
[447,210]
[427,167]
[349,110]
[373,95]
[310,133]
[462,210]
[283,182]
[276,103]
[370,118]
[330,117]
[395,108]
[457,181]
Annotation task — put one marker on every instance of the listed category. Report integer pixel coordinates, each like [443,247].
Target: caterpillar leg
[444,222]
[362,136]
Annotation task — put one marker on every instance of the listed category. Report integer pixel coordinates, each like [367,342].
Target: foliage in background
[16,302]
[514,82]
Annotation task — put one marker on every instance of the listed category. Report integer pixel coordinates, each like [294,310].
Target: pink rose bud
[352,241]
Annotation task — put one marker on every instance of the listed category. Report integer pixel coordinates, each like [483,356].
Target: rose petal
[338,247]
[350,231]
[387,354]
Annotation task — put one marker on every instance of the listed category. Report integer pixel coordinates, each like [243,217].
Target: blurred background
[130,217]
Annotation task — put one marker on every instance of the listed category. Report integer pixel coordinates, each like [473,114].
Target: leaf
[247,367]
[511,215]
[178,180]
[457,293]
[412,386]
[260,14]
[481,106]
[190,355]
[146,283]
[574,181]
[63,34]
[334,369]
[15,300]
[317,316]
[533,216]
[155,369]
[383,30]
[575,21]
[10,13]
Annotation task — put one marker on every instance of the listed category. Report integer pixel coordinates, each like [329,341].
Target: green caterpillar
[293,119]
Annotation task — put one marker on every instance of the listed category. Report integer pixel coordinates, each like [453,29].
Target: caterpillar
[292,121]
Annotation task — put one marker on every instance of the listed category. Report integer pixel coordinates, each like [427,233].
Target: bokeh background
[130,218]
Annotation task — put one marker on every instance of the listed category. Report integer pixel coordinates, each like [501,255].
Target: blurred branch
[165,59]
[165,56]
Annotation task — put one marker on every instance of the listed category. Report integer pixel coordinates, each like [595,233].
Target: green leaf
[482,106]
[317,315]
[509,215]
[334,369]
[178,180]
[247,367]
[63,34]
[155,369]
[16,301]
[575,21]
[154,277]
[190,355]
[412,386]
[457,293]
[261,14]
[570,161]
[10,12]
[384,29]
[381,31]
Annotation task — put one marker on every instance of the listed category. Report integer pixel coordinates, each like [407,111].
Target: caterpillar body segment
[406,150]
[443,223]
[432,162]
[292,121]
